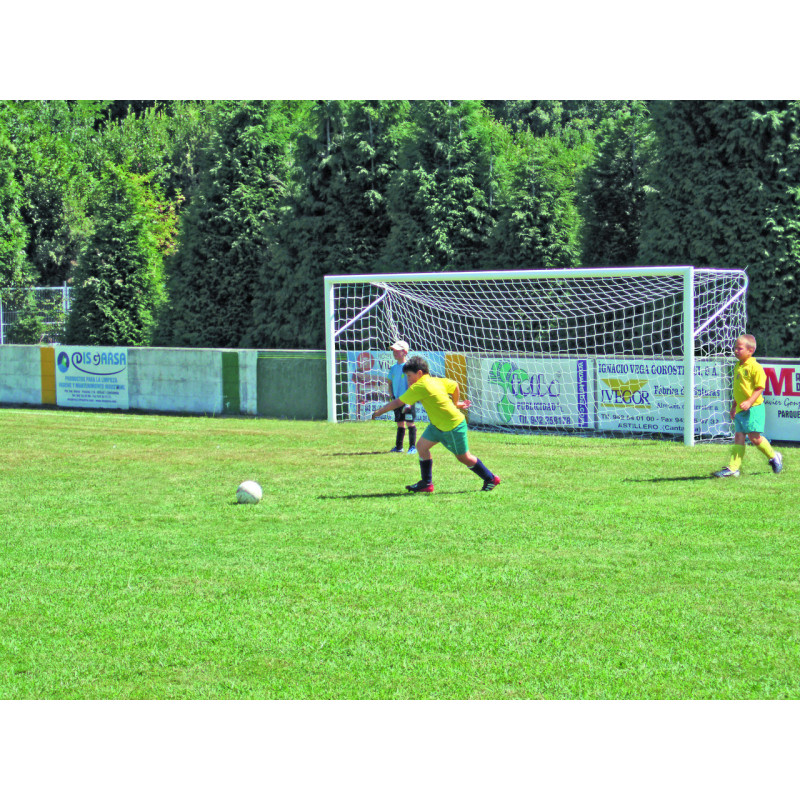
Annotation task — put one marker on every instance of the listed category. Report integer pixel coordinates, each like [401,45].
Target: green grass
[598,569]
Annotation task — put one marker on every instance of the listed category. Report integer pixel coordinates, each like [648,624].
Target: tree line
[212,223]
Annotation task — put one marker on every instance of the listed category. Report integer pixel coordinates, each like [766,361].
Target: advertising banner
[368,377]
[782,400]
[92,377]
[545,392]
[645,395]
[633,395]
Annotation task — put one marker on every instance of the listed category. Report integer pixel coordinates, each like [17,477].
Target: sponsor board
[92,377]
[647,396]
[532,392]
[368,377]
[782,400]
[633,395]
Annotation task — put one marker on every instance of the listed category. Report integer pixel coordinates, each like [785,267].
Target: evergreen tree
[725,192]
[213,276]
[613,189]
[370,153]
[335,221]
[162,142]
[119,276]
[537,219]
[439,197]
[574,122]
[61,148]
[50,140]
[14,268]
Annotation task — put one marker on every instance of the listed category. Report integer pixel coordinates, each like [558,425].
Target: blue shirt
[398,380]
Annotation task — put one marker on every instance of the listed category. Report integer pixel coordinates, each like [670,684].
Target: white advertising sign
[533,392]
[368,376]
[644,395]
[92,377]
[782,400]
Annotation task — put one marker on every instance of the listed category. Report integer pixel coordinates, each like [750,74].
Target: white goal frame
[690,327]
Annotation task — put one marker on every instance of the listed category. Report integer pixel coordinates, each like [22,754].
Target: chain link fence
[36,315]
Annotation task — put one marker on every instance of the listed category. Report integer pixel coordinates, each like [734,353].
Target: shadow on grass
[660,480]
[384,494]
[370,453]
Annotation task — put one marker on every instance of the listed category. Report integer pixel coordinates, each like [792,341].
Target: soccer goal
[643,351]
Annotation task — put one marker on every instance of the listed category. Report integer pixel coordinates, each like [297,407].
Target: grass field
[598,569]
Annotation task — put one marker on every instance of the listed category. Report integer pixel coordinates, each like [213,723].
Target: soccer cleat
[412,451]
[726,473]
[490,483]
[776,463]
[420,486]
[396,450]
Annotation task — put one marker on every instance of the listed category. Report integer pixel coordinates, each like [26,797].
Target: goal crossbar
[587,272]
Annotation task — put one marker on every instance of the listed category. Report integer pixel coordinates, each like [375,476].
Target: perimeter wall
[268,383]
[288,384]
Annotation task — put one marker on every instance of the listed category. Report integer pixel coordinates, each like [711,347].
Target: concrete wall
[20,374]
[185,380]
[292,384]
[270,383]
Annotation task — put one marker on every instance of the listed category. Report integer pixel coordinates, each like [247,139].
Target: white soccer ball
[248,492]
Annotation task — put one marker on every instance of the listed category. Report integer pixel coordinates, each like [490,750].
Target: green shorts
[752,420]
[455,440]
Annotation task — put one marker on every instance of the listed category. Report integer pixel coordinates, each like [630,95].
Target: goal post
[642,351]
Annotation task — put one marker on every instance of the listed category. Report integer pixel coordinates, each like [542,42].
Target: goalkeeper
[397,384]
[440,399]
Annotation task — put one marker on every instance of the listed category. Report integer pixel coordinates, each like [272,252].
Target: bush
[119,277]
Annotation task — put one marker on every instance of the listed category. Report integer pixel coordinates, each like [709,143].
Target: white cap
[400,345]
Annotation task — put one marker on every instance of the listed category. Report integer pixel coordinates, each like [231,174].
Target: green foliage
[571,121]
[251,203]
[116,110]
[613,189]
[335,221]
[28,326]
[213,276]
[118,286]
[724,193]
[14,268]
[163,142]
[60,149]
[438,198]
[537,219]
[51,138]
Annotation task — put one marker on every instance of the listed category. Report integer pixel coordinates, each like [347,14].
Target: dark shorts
[406,414]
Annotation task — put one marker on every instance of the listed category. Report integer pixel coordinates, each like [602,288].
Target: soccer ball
[248,492]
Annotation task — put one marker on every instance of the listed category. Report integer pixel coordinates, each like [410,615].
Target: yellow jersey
[434,394]
[747,378]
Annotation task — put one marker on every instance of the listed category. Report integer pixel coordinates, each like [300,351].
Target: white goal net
[643,351]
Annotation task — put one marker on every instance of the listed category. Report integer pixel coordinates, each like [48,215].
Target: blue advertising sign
[92,377]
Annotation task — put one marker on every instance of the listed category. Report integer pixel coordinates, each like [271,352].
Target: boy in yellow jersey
[440,399]
[748,411]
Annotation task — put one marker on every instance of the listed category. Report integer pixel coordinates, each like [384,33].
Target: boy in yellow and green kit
[440,399]
[748,411]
